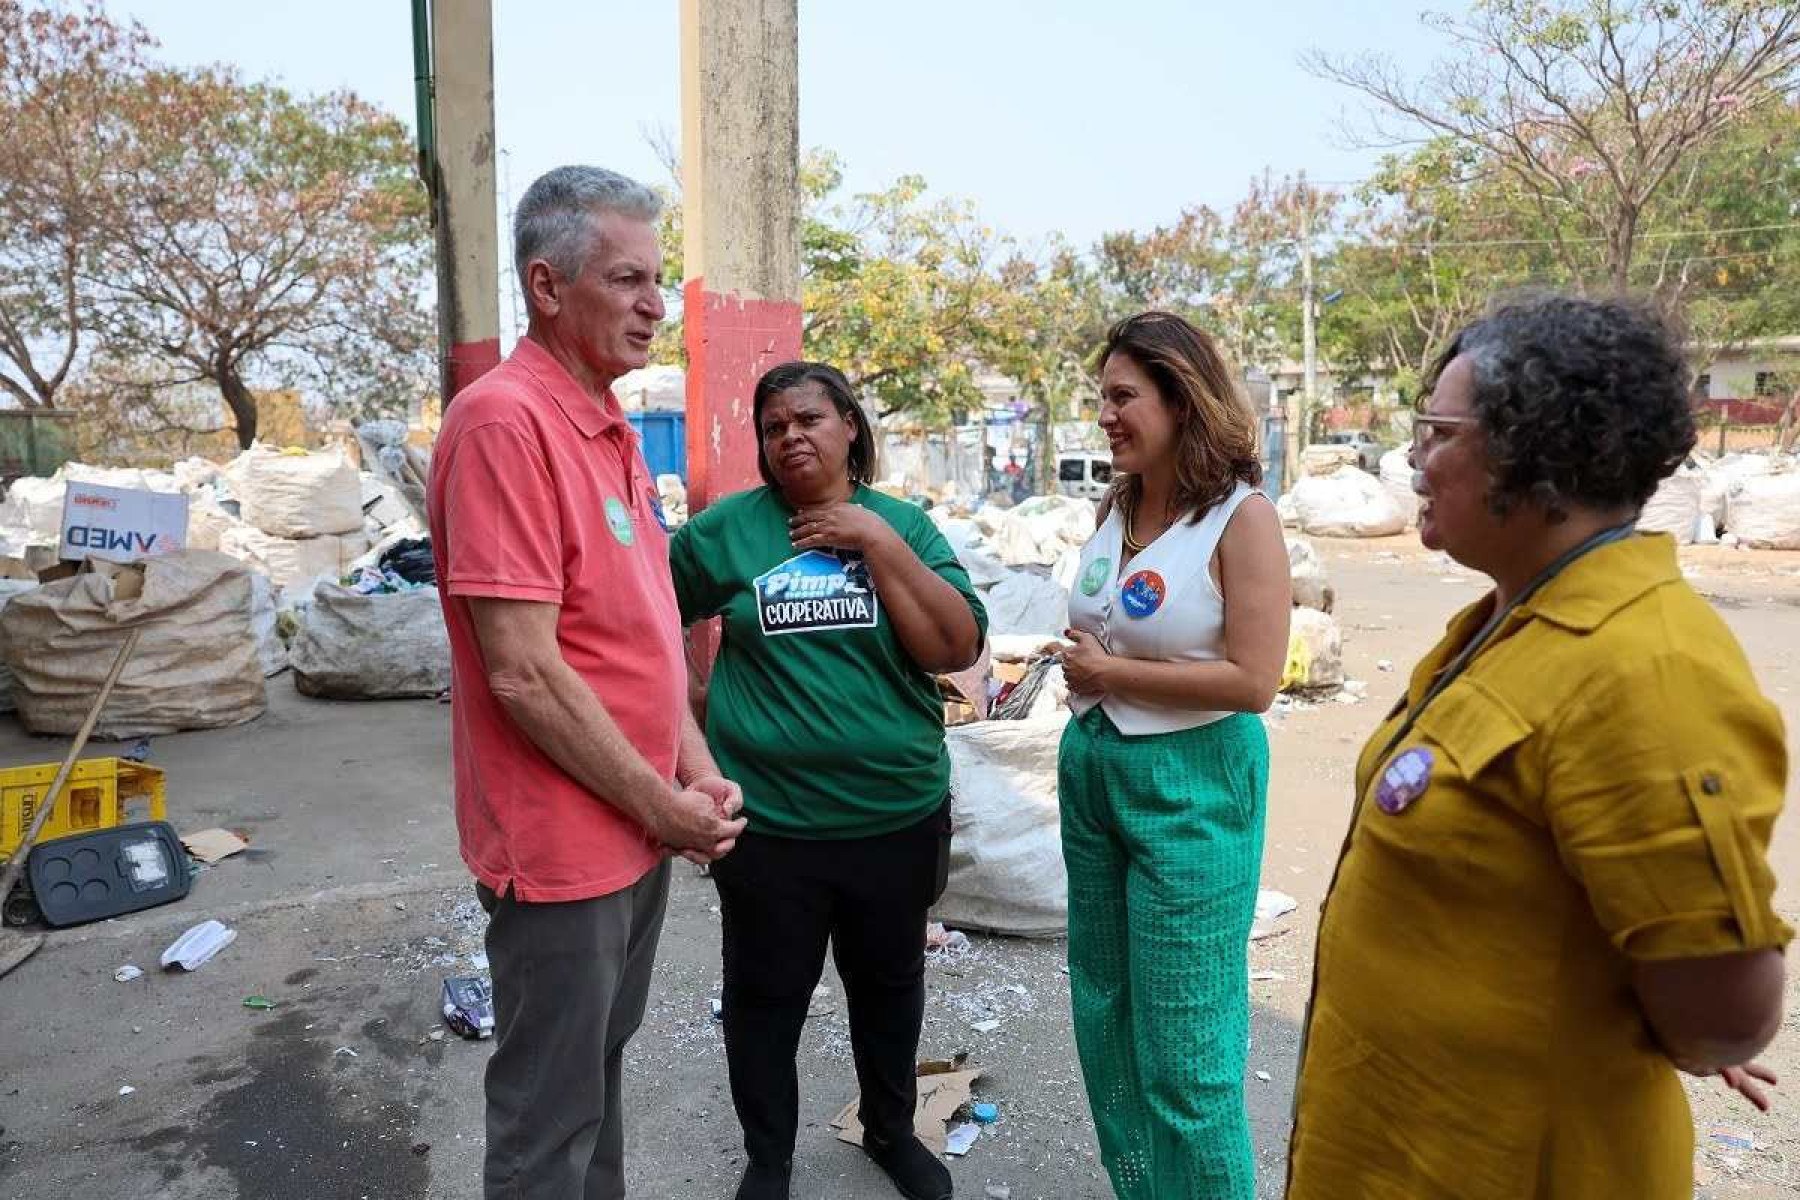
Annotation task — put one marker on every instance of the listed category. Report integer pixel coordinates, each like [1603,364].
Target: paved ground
[352,907]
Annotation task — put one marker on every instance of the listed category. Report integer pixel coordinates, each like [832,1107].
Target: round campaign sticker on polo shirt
[1404,781]
[1143,594]
[619,521]
[1094,578]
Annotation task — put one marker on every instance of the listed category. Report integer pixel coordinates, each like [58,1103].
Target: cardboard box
[121,525]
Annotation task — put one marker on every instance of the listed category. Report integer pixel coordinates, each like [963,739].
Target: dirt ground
[352,906]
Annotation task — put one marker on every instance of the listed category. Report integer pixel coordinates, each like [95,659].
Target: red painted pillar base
[469,361]
[730,343]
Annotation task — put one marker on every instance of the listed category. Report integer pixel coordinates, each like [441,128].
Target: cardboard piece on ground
[940,1096]
[211,845]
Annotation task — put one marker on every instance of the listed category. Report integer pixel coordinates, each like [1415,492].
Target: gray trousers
[570,983]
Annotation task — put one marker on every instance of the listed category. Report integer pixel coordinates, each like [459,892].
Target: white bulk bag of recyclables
[1027,603]
[8,589]
[293,562]
[1397,478]
[1006,864]
[298,495]
[1311,583]
[1315,652]
[1675,507]
[377,647]
[1723,477]
[1764,511]
[195,667]
[1349,504]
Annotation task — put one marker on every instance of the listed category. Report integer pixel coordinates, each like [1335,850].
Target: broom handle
[16,866]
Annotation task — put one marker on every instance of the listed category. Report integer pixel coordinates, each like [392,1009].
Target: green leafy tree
[1594,112]
[254,238]
[62,74]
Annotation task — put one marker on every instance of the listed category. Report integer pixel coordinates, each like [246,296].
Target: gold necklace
[1132,545]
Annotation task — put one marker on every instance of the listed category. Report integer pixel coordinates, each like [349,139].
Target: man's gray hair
[554,220]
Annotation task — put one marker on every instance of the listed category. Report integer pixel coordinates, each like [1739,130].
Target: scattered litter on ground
[1264,1076]
[944,945]
[987,1026]
[1266,976]
[997,1191]
[127,1090]
[961,1138]
[469,1006]
[211,845]
[1271,906]
[262,1002]
[346,1050]
[942,1094]
[421,1148]
[196,947]
[1734,1137]
[984,1113]
[127,973]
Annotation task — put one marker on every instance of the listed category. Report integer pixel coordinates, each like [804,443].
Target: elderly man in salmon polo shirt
[578,765]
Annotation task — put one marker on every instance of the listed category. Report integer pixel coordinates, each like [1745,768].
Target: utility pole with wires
[1299,423]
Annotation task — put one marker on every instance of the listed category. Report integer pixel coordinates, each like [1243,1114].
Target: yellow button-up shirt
[1599,786]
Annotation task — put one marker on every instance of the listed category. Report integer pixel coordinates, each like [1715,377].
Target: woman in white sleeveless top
[1180,625]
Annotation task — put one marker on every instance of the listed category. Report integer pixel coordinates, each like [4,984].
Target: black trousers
[782,900]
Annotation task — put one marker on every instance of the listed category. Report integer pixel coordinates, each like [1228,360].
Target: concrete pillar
[740,153]
[468,247]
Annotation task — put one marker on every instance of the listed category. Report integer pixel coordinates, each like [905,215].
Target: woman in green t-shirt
[838,605]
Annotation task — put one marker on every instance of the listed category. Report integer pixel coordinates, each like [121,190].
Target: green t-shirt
[814,707]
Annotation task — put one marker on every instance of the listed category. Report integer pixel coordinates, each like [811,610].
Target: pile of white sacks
[1348,502]
[295,519]
[1749,499]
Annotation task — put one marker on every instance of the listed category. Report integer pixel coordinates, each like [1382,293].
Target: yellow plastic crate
[101,793]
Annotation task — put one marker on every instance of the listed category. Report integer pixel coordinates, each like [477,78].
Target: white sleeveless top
[1162,606]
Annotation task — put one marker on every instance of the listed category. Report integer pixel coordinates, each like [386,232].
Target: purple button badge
[1404,781]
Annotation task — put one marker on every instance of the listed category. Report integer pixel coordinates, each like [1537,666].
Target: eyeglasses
[1426,426]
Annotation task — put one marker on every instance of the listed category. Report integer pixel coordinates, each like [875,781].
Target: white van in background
[1082,474]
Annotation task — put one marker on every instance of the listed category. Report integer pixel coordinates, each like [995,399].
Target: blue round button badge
[1143,594]
[1404,781]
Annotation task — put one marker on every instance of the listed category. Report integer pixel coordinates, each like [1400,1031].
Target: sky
[1069,116]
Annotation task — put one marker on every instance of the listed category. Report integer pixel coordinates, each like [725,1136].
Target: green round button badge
[1094,578]
[619,521]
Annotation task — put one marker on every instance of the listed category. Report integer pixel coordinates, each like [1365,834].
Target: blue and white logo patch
[814,591]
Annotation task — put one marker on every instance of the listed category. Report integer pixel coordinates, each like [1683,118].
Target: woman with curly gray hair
[1554,894]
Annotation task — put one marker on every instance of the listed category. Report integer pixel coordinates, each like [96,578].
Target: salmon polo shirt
[539,493]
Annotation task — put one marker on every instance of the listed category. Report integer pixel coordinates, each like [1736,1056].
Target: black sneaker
[765,1181]
[913,1169]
